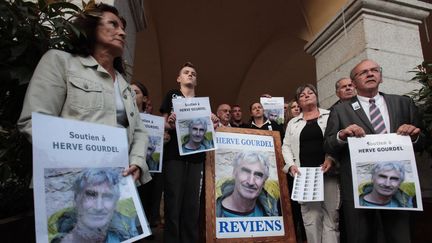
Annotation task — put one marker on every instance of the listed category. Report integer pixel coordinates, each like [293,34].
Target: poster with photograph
[247,190]
[273,108]
[155,128]
[79,191]
[308,185]
[195,132]
[384,172]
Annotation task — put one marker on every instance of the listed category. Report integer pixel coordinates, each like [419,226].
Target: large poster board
[246,191]
[384,172]
[79,189]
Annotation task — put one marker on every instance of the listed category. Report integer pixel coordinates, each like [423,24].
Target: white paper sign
[384,172]
[77,177]
[308,185]
[195,132]
[245,164]
[273,108]
[155,128]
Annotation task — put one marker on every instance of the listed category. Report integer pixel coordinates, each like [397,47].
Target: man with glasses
[224,115]
[370,112]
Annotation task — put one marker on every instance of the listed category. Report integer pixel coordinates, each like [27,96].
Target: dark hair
[87,22]
[250,110]
[253,103]
[302,88]
[143,88]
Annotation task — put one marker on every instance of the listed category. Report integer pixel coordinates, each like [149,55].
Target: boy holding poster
[182,174]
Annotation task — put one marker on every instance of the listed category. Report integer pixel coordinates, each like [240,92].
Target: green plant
[423,99]
[27,29]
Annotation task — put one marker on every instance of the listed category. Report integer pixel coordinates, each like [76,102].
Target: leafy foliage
[423,99]
[27,29]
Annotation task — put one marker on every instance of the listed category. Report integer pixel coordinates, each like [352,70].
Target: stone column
[383,30]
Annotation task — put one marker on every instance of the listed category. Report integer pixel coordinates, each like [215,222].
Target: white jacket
[78,88]
[291,142]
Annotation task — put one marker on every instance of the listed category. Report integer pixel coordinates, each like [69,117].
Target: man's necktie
[376,118]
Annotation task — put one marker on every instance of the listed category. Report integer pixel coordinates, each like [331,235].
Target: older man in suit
[370,112]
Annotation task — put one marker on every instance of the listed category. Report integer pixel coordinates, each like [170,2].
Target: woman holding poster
[87,85]
[303,146]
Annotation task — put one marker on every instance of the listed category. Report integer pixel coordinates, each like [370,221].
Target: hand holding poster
[384,172]
[155,129]
[79,191]
[195,132]
[273,108]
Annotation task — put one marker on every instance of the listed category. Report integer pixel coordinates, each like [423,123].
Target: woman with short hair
[303,146]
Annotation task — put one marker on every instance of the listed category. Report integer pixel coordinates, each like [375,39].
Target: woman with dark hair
[142,96]
[303,146]
[87,84]
[259,120]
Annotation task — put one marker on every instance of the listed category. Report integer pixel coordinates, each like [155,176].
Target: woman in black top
[259,121]
[303,147]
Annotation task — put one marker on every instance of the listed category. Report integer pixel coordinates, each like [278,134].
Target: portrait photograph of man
[274,115]
[247,187]
[386,184]
[197,136]
[89,205]
[244,195]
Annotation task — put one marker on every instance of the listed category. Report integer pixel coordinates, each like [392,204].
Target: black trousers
[150,195]
[182,185]
[363,225]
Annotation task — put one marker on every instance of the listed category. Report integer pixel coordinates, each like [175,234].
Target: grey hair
[272,111]
[251,157]
[97,176]
[196,121]
[390,165]
[338,82]
[352,74]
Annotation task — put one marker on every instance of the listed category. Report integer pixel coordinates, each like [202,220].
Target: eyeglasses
[364,73]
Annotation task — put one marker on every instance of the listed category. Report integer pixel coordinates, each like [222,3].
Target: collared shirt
[382,106]
[380,103]
[266,123]
[222,125]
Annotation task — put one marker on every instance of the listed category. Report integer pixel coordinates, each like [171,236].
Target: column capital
[409,11]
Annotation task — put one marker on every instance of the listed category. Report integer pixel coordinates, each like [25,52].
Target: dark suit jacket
[401,110]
